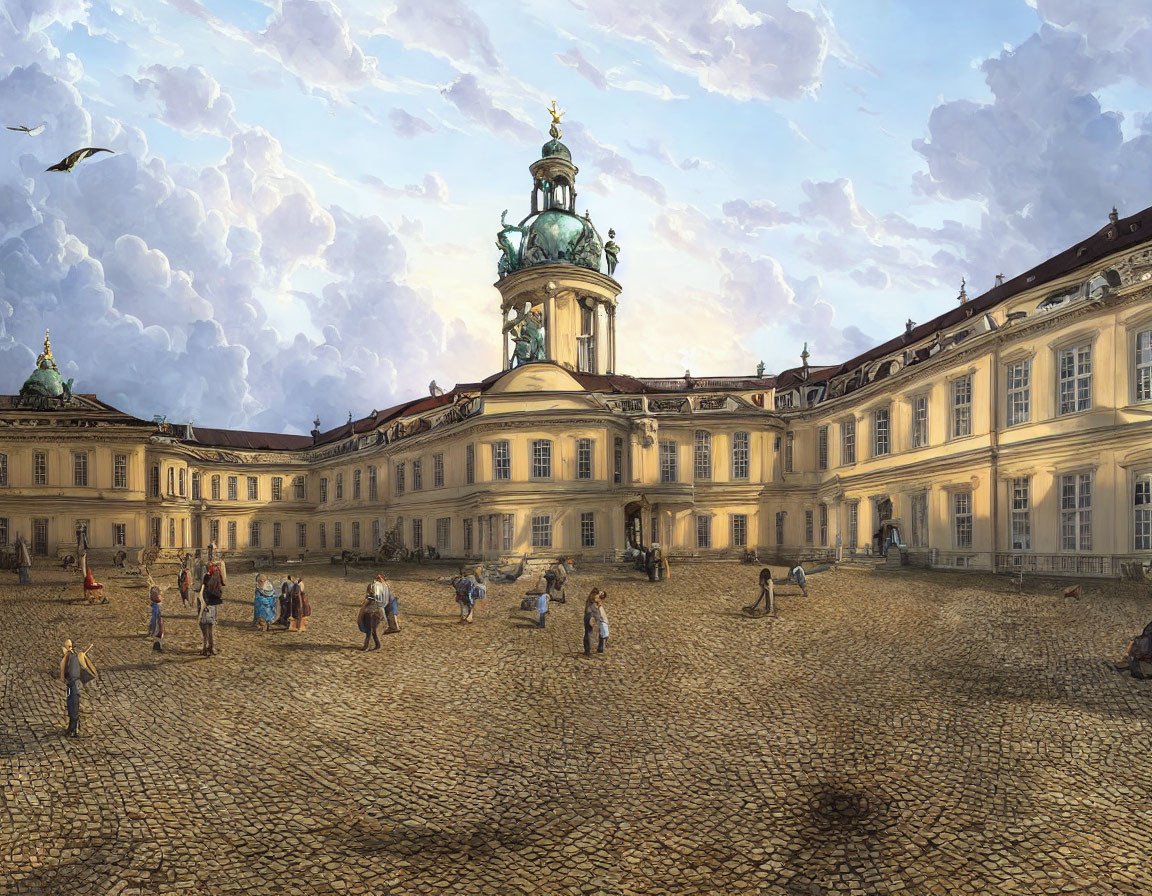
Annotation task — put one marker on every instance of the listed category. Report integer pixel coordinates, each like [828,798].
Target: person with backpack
[464,596]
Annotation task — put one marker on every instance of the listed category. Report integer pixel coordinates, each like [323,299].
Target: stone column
[600,339]
[550,324]
[610,365]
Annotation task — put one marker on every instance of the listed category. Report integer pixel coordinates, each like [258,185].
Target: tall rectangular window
[298,491]
[585,347]
[4,530]
[1076,512]
[355,535]
[469,464]
[587,530]
[739,530]
[822,448]
[253,488]
[808,527]
[373,484]
[357,484]
[119,534]
[3,469]
[741,455]
[339,486]
[1021,520]
[214,532]
[195,486]
[233,488]
[789,452]
[277,534]
[617,460]
[881,441]
[962,519]
[1074,379]
[501,460]
[80,468]
[1018,379]
[853,526]
[668,461]
[848,441]
[466,526]
[918,531]
[417,475]
[583,458]
[183,478]
[337,536]
[216,489]
[541,459]
[171,481]
[154,482]
[171,532]
[919,421]
[702,454]
[39,469]
[232,535]
[120,472]
[417,535]
[962,406]
[375,534]
[542,531]
[324,490]
[703,531]
[444,534]
[254,534]
[323,537]
[824,525]
[154,529]
[437,471]
[399,479]
[779,527]
[1142,514]
[1143,371]
[277,488]
[507,531]
[302,536]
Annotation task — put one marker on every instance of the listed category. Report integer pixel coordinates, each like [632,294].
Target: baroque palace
[1012,431]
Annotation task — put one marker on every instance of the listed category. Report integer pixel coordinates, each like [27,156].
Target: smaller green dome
[45,381]
[553,149]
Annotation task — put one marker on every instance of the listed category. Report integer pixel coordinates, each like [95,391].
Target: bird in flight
[31,132]
[70,160]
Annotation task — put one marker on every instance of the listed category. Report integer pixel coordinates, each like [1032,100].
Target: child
[541,609]
[156,626]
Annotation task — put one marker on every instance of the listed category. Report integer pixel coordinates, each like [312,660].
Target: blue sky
[300,214]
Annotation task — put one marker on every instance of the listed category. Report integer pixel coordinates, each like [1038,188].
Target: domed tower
[556,304]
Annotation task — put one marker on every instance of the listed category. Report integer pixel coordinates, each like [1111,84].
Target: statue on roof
[760,370]
[529,340]
[510,251]
[45,388]
[611,252]
[554,129]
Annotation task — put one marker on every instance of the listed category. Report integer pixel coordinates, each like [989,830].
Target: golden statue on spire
[46,355]
[556,114]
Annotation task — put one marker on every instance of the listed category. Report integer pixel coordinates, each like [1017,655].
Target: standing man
[23,560]
[82,549]
[800,578]
[371,614]
[70,672]
[542,609]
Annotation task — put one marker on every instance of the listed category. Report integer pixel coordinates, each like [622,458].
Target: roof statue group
[45,387]
[553,232]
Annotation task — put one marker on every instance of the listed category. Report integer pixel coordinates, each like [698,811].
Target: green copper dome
[554,148]
[558,235]
[45,381]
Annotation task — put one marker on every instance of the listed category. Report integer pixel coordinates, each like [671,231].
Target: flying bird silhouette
[31,132]
[69,161]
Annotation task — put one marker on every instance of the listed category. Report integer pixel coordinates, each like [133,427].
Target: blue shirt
[542,604]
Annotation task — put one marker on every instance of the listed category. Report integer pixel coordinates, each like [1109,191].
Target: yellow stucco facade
[1012,431]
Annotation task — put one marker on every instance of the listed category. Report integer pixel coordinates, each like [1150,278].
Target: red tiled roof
[253,441]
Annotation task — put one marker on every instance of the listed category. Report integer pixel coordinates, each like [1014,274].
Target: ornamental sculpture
[45,388]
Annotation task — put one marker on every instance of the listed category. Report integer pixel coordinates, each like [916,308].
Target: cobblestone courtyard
[894,733]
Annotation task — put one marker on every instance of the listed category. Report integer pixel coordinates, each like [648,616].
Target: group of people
[651,560]
[380,604]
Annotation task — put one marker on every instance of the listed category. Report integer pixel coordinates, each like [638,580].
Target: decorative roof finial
[963,297]
[46,355]
[316,422]
[349,416]
[760,370]
[554,129]
[909,325]
[999,279]
[1114,215]
[804,355]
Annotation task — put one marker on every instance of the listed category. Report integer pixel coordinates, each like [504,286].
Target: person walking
[371,613]
[183,581]
[767,594]
[23,560]
[800,578]
[207,601]
[301,609]
[70,671]
[391,604]
[464,592]
[264,603]
[82,549]
[542,609]
[156,624]
[285,604]
[601,622]
[590,619]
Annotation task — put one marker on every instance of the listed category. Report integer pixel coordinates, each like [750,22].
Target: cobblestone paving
[905,733]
